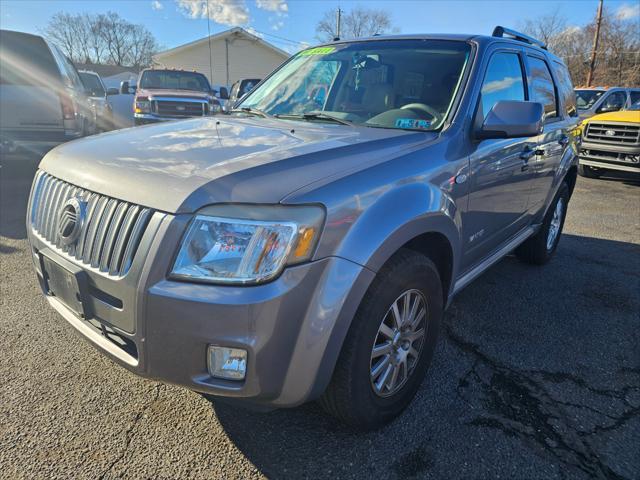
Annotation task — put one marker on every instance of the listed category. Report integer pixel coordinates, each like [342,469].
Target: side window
[565,90]
[502,81]
[635,97]
[613,102]
[542,89]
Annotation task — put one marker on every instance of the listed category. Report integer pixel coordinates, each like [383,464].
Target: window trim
[559,111]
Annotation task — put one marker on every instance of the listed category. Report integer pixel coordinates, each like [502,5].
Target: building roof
[106,70]
[219,36]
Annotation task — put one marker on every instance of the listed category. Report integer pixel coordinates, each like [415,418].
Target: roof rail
[521,37]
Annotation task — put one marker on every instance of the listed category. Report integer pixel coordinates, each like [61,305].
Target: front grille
[110,235]
[613,133]
[170,108]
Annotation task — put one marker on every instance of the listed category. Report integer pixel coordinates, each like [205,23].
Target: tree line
[104,38]
[617,56]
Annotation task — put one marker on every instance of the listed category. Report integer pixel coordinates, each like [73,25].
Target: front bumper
[292,328]
[613,157]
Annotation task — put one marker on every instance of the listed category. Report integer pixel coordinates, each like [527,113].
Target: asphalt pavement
[537,376]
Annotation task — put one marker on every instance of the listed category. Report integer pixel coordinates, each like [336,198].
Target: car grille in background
[112,229]
[170,108]
[613,133]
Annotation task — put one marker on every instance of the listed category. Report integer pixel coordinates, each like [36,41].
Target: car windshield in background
[92,83]
[174,80]
[586,98]
[404,84]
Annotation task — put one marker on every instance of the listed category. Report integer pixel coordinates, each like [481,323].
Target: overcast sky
[288,23]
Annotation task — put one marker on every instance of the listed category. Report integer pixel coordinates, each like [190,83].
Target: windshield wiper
[320,116]
[251,111]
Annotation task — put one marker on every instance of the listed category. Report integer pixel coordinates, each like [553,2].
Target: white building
[225,57]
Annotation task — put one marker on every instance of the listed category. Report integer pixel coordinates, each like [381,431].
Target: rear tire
[589,172]
[539,248]
[411,282]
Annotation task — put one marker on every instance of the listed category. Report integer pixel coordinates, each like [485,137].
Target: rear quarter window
[565,89]
[26,60]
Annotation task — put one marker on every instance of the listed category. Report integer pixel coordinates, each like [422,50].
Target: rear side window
[26,60]
[635,97]
[503,81]
[542,89]
[565,90]
[70,76]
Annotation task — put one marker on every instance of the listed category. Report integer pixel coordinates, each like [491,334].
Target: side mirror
[112,91]
[609,108]
[512,119]
[124,87]
[224,93]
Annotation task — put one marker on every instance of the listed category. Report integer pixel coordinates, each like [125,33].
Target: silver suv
[306,245]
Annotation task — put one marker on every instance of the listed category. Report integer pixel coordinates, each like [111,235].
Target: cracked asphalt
[537,376]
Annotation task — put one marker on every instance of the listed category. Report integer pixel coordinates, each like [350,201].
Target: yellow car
[611,141]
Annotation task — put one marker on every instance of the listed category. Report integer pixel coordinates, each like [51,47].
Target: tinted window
[174,80]
[542,89]
[69,73]
[586,98]
[26,60]
[565,90]
[503,81]
[635,97]
[614,101]
[92,83]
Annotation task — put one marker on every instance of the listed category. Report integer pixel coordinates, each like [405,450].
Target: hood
[163,92]
[181,166]
[631,116]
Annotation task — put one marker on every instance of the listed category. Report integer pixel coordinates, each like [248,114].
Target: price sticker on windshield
[412,123]
[318,51]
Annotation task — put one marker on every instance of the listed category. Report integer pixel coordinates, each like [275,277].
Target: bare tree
[618,55]
[106,37]
[356,23]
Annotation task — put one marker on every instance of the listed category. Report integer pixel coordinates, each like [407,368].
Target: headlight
[214,107]
[142,106]
[247,244]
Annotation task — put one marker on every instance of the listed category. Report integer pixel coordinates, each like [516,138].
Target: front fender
[396,217]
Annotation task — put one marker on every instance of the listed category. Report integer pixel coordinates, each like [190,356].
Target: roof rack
[521,37]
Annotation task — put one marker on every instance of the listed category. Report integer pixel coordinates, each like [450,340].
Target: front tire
[589,172]
[539,248]
[389,345]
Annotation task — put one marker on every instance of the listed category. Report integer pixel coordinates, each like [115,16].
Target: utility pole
[338,15]
[596,37]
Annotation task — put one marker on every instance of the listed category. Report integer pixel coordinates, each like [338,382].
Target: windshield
[92,83]
[586,98]
[174,80]
[405,84]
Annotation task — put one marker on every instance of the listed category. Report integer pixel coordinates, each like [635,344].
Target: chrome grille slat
[623,134]
[134,239]
[112,231]
[123,237]
[101,233]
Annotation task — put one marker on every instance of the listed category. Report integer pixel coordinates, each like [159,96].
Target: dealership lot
[537,376]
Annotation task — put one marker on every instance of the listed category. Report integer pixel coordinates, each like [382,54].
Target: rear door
[29,80]
[555,138]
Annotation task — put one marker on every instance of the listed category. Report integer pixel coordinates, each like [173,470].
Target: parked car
[97,96]
[611,141]
[42,100]
[592,101]
[172,94]
[305,246]
[240,88]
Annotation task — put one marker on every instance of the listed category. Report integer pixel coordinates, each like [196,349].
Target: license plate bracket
[66,282]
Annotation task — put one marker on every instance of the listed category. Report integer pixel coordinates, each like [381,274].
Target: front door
[500,172]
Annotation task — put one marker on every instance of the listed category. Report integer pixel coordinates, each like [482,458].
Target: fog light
[227,363]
